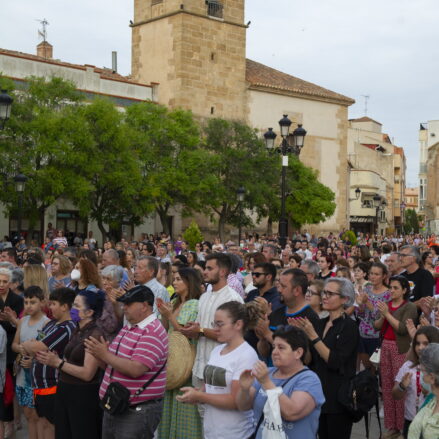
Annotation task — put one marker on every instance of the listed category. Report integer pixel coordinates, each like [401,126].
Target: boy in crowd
[54,337]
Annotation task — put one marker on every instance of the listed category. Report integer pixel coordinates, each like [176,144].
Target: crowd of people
[154,339]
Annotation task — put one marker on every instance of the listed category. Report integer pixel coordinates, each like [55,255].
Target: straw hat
[180,360]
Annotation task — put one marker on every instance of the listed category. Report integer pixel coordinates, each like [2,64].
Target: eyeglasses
[256,274]
[310,292]
[403,255]
[218,325]
[330,293]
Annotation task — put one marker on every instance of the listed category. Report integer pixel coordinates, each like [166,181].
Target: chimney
[45,50]
[114,61]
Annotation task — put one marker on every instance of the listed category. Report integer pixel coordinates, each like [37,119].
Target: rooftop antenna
[43,33]
[366,98]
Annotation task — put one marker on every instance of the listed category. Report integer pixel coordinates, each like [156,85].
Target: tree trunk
[163,215]
[103,231]
[269,226]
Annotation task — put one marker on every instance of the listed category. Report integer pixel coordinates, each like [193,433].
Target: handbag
[271,409]
[376,357]
[117,397]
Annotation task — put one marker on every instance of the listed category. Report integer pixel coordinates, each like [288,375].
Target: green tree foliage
[411,223]
[349,236]
[172,162]
[40,140]
[193,235]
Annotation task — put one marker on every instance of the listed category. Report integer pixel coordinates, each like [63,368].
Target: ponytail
[249,313]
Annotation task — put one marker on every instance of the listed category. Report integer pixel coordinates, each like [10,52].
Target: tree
[40,140]
[411,223]
[237,158]
[172,162]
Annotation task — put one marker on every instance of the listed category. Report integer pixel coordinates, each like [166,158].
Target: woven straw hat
[180,360]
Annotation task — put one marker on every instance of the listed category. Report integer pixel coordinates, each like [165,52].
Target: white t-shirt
[207,305]
[219,373]
[413,401]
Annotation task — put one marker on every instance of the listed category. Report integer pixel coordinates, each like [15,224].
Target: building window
[214,8]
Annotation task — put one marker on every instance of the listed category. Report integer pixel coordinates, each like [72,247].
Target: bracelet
[61,364]
[316,340]
[401,387]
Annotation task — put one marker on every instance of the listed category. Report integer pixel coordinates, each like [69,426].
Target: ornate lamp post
[20,183]
[380,204]
[402,206]
[298,140]
[5,107]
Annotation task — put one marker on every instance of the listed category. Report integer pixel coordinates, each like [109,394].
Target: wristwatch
[201,332]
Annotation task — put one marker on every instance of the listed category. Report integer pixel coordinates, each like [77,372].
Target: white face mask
[75,274]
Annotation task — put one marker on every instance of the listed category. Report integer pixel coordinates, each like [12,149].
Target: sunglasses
[256,274]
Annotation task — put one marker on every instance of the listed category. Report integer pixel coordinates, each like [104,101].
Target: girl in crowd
[61,268]
[407,385]
[425,425]
[395,344]
[164,276]
[314,297]
[335,340]
[302,394]
[360,276]
[367,312]
[77,411]
[131,259]
[222,419]
[192,258]
[180,421]
[325,264]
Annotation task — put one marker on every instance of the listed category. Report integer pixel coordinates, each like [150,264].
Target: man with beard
[293,285]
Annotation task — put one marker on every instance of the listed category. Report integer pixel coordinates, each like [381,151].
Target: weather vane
[43,33]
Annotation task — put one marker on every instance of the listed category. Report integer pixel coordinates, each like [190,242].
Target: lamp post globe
[270,137]
[5,107]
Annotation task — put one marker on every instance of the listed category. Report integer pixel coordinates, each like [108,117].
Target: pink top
[147,343]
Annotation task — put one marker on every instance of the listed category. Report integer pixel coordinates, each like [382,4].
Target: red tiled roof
[264,77]
[103,72]
[364,119]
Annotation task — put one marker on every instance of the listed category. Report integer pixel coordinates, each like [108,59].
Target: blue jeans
[138,422]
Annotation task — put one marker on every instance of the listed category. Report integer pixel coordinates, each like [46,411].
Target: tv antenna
[42,33]
[366,98]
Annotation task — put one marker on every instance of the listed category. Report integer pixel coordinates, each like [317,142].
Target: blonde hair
[35,275]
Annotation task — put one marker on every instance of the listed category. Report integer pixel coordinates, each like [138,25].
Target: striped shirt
[147,343]
[55,336]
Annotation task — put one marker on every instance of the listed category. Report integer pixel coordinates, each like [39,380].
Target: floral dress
[181,421]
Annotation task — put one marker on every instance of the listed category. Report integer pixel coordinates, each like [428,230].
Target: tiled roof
[364,119]
[264,77]
[103,72]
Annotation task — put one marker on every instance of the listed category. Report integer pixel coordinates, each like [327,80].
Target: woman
[325,264]
[335,340]
[222,419]
[61,268]
[302,394]
[395,344]
[180,421]
[131,259]
[112,276]
[36,275]
[191,258]
[164,276]
[367,311]
[314,297]
[253,259]
[360,276]
[77,411]
[427,261]
[425,425]
[60,240]
[199,251]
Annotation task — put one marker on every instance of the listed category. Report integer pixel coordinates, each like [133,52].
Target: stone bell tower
[195,50]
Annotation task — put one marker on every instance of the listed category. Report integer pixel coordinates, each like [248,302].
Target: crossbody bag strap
[139,391]
[283,385]
[117,350]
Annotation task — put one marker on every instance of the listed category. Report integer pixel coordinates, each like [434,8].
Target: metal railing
[214,8]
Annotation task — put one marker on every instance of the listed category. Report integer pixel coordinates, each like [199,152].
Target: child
[408,379]
[54,337]
[28,329]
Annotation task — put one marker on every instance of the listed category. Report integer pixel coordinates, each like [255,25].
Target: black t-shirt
[280,316]
[423,283]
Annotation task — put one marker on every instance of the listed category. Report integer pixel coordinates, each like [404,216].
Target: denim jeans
[138,422]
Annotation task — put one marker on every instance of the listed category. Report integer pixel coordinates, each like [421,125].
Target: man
[162,255]
[145,274]
[422,280]
[310,268]
[386,252]
[216,272]
[269,251]
[303,251]
[9,255]
[293,285]
[394,264]
[91,241]
[137,354]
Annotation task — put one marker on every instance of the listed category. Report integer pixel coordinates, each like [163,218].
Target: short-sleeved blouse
[188,313]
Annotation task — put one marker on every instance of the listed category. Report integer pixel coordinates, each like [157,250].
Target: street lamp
[357,194]
[402,206]
[240,193]
[20,183]
[298,141]
[5,107]
[380,204]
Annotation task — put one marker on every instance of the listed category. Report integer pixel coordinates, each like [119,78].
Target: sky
[385,49]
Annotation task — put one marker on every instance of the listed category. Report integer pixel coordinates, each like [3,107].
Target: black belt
[149,401]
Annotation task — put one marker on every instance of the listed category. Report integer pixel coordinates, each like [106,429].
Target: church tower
[195,50]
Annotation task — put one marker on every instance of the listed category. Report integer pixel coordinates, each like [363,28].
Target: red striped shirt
[147,345]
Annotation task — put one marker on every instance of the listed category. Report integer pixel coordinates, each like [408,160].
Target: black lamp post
[402,206]
[5,107]
[240,193]
[379,204]
[20,183]
[298,140]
